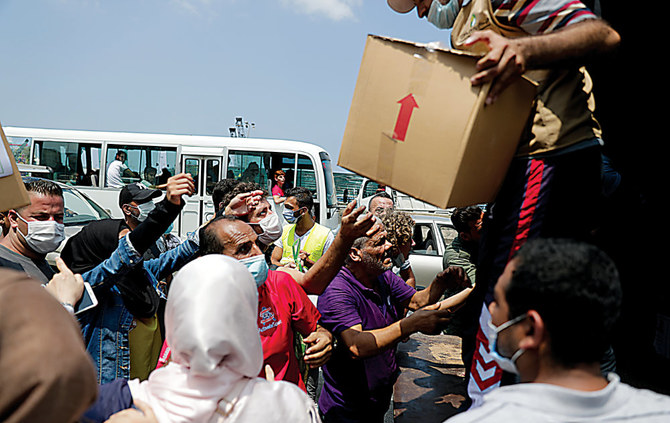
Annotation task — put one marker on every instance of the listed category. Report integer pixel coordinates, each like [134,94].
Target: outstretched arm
[509,58]
[324,270]
[367,343]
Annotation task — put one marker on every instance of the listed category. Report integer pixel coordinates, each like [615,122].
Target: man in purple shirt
[364,306]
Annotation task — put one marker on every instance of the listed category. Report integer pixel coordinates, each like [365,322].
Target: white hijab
[211,328]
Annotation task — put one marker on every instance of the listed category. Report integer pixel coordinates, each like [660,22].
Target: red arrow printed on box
[407,106]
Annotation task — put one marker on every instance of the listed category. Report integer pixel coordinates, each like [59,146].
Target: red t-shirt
[276,190]
[283,307]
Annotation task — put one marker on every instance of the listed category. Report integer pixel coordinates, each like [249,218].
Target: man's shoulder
[343,285]
[279,281]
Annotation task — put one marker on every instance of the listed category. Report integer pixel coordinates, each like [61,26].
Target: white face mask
[145,209]
[507,364]
[443,15]
[271,229]
[43,236]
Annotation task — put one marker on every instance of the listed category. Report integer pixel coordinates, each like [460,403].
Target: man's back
[114,173]
[541,402]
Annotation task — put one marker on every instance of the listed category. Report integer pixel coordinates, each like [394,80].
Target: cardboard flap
[13,191]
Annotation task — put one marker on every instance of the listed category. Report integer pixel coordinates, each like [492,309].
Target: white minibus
[81,159]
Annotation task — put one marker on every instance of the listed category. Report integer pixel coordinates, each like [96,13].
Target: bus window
[371,188]
[70,162]
[20,147]
[192,166]
[249,166]
[331,196]
[212,172]
[148,165]
[305,176]
[285,162]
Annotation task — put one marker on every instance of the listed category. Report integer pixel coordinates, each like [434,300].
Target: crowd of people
[266,315]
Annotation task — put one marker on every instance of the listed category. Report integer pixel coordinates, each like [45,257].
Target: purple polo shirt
[360,388]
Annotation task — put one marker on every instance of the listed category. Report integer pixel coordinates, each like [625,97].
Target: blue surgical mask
[443,15]
[289,216]
[258,268]
[505,363]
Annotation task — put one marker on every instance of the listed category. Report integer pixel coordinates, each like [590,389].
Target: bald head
[229,236]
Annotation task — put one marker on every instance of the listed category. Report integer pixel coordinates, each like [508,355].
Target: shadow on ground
[431,386]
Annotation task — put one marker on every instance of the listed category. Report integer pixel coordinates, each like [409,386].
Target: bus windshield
[331,198]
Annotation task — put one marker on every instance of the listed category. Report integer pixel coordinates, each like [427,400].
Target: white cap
[401,6]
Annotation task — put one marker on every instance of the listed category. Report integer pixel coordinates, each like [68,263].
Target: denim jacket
[105,328]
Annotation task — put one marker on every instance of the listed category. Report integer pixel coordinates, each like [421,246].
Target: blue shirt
[360,389]
[105,328]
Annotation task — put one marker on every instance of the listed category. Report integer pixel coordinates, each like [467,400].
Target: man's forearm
[427,296]
[363,344]
[326,268]
[573,44]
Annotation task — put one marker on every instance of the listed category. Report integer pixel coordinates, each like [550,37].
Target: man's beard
[373,264]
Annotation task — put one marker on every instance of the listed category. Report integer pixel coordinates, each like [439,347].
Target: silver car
[432,233]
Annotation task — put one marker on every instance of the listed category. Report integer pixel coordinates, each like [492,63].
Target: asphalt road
[431,386]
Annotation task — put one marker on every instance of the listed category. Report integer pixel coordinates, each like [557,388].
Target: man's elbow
[358,353]
[612,39]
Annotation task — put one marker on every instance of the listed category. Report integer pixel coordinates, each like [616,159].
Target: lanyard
[296,253]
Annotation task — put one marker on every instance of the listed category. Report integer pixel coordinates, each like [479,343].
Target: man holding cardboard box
[558,160]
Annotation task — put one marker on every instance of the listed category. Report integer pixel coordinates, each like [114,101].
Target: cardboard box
[13,191]
[417,125]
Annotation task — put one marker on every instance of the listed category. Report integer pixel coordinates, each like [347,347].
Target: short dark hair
[239,188]
[303,197]
[462,216]
[358,244]
[210,243]
[575,287]
[221,188]
[43,187]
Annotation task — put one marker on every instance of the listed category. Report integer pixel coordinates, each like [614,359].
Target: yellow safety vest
[313,245]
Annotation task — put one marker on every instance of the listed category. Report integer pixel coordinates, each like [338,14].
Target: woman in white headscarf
[211,327]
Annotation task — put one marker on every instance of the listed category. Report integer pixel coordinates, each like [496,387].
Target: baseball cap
[401,6]
[138,193]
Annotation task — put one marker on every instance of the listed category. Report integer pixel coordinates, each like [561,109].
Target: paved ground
[431,386]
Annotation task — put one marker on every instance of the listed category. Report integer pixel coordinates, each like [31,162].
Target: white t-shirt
[541,402]
[114,173]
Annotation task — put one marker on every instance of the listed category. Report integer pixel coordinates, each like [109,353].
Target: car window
[424,240]
[80,209]
[449,233]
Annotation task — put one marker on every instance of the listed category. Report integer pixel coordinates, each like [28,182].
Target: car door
[425,255]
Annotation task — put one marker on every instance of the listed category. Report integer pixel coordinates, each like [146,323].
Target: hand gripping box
[417,125]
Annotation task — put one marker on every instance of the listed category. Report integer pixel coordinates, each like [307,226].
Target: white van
[402,201]
[81,158]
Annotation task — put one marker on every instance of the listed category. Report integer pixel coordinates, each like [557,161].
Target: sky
[191,66]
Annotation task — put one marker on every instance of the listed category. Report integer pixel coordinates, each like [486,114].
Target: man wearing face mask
[303,241]
[283,307]
[35,230]
[558,160]
[122,333]
[247,201]
[440,13]
[553,314]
